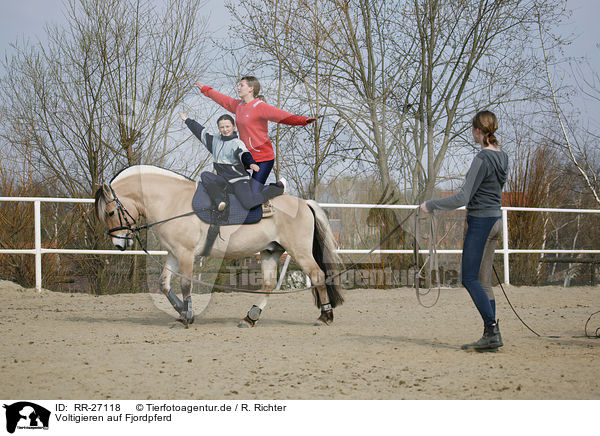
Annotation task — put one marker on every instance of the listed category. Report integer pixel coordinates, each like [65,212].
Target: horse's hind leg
[165,283]
[268,262]
[316,275]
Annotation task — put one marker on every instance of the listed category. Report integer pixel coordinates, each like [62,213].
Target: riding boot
[491,339]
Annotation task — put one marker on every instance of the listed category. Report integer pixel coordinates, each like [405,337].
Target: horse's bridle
[124,219]
[127,222]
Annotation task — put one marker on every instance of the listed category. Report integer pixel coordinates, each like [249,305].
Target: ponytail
[487,122]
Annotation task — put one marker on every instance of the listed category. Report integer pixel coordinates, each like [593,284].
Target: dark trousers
[216,186]
[261,176]
[476,239]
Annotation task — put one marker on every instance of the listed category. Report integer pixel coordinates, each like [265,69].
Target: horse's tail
[324,252]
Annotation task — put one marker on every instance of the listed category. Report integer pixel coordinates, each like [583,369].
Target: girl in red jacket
[252,118]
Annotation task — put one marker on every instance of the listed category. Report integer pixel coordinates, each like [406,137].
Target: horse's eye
[111,213]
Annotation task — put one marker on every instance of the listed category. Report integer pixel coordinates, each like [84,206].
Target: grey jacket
[230,155]
[482,190]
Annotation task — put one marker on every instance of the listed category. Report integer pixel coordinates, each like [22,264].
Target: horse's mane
[147,169]
[99,205]
[100,199]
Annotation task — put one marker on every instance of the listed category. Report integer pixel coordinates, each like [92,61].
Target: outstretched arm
[277,115]
[199,131]
[224,100]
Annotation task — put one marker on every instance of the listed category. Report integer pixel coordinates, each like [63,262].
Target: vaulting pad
[234,214]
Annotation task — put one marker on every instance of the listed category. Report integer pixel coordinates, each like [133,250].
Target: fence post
[38,245]
[283,271]
[505,246]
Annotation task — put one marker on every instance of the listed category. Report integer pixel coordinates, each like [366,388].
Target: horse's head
[119,214]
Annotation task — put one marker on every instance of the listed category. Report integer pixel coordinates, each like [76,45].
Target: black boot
[272,191]
[218,195]
[490,341]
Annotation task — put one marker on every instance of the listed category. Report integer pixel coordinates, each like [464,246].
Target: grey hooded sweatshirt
[482,191]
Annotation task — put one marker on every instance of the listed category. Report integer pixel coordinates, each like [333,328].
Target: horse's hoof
[320,323]
[246,323]
[186,322]
[326,318]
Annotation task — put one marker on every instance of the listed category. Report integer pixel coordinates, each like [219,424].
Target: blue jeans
[478,230]
[261,176]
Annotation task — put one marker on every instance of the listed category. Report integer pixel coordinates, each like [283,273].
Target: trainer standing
[482,194]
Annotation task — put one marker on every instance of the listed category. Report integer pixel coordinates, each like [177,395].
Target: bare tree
[267,32]
[534,181]
[403,78]
[101,93]
[575,139]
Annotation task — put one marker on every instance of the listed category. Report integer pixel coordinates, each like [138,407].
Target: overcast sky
[27,19]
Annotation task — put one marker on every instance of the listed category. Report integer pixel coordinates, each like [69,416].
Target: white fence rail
[38,251]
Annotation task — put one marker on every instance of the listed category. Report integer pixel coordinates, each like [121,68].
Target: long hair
[487,122]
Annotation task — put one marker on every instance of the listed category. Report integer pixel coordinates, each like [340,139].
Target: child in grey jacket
[230,160]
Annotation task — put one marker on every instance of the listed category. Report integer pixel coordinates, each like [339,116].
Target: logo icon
[26,415]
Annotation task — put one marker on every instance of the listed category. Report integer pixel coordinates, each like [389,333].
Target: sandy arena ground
[382,345]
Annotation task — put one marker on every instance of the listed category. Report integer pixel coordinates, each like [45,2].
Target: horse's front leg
[165,283]
[268,261]
[186,269]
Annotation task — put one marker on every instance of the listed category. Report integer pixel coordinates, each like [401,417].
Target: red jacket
[252,121]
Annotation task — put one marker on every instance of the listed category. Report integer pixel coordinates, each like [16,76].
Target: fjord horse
[297,226]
